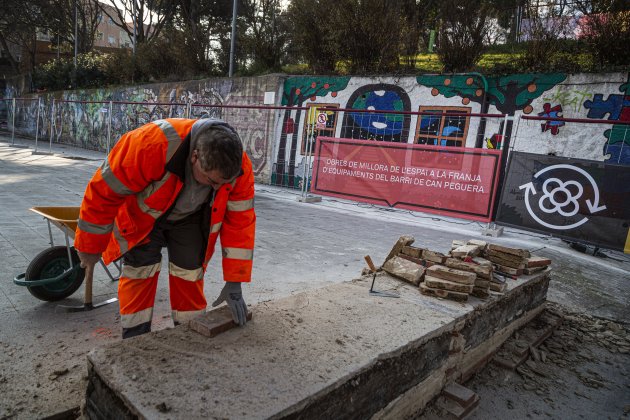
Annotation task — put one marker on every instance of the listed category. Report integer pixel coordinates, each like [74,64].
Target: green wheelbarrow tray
[56,273]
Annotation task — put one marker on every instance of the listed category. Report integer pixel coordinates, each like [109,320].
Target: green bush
[61,74]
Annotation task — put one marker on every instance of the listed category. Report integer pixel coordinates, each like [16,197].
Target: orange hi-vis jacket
[140,180]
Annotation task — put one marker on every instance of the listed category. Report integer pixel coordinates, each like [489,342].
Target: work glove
[233,296]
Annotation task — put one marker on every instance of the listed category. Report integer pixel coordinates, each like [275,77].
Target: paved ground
[299,246]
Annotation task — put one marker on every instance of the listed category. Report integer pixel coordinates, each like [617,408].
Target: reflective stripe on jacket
[140,180]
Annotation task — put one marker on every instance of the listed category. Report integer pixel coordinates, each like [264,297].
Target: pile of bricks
[471,267]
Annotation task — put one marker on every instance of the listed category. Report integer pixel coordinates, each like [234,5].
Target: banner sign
[451,181]
[580,200]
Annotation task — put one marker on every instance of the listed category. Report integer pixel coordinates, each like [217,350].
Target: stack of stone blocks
[472,267]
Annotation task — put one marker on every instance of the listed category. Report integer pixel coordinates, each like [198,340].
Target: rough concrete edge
[477,357]
[301,405]
[415,399]
[92,368]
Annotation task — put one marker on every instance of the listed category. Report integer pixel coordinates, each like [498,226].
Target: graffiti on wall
[617,107]
[551,112]
[82,118]
[375,126]
[569,99]
[253,125]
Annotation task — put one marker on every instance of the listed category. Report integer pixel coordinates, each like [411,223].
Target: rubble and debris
[457,401]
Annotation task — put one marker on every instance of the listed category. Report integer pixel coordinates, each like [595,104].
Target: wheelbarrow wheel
[49,264]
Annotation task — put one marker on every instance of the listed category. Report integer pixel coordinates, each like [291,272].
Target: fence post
[311,120]
[625,134]
[309,124]
[515,131]
[188,108]
[39,105]
[109,127]
[52,125]
[505,122]
[13,125]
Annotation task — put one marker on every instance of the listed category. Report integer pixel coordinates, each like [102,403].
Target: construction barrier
[452,181]
[578,200]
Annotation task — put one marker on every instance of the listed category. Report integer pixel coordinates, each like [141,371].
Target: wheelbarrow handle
[20,279]
[89,278]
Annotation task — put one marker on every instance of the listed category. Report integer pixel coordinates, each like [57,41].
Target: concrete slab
[334,352]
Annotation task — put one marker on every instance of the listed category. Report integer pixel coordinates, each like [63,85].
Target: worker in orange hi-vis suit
[179,184]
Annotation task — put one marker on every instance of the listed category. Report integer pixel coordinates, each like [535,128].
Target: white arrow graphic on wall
[593,206]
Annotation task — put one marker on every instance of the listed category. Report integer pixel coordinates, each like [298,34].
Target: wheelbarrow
[56,272]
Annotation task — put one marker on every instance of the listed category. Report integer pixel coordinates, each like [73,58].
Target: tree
[148,17]
[418,17]
[204,23]
[16,28]
[265,38]
[58,19]
[20,22]
[371,34]
[543,30]
[313,35]
[605,27]
[463,28]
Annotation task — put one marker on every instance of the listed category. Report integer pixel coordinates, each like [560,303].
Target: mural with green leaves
[296,91]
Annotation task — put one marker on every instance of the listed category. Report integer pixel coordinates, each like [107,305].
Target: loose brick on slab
[412,259]
[403,241]
[508,263]
[412,251]
[478,242]
[451,274]
[480,270]
[213,323]
[535,261]
[433,256]
[482,261]
[404,269]
[480,292]
[446,294]
[437,283]
[509,270]
[481,283]
[514,251]
[464,396]
[466,251]
[457,243]
[505,256]
[534,270]
[497,287]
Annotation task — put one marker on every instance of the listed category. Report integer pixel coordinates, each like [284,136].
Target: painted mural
[296,91]
[617,107]
[381,127]
[506,94]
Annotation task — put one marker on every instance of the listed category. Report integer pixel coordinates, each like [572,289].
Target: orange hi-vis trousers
[186,244]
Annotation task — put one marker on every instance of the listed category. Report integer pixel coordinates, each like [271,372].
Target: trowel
[373,292]
[87,301]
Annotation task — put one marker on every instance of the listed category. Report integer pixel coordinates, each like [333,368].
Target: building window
[99,35]
[111,40]
[311,120]
[110,21]
[442,129]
